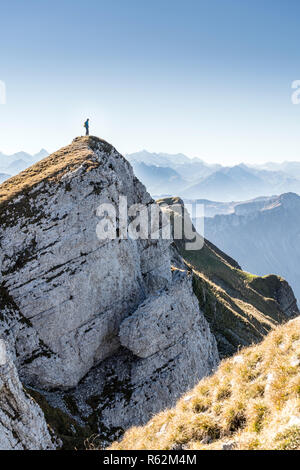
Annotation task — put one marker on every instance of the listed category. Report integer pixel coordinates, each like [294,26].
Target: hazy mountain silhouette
[199,180]
[263,234]
[17,162]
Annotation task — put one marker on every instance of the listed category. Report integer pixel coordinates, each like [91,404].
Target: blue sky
[209,78]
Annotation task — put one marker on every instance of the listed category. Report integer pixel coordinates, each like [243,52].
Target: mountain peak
[85,308]
[54,166]
[289,197]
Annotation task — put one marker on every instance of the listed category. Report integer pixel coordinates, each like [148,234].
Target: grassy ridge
[18,193]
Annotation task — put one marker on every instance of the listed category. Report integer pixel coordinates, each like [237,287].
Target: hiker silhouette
[87,128]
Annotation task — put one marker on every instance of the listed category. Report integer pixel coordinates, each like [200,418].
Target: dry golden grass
[251,402]
[52,167]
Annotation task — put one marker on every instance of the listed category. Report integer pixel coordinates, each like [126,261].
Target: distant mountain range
[11,165]
[263,234]
[156,178]
[212,208]
[189,170]
[241,182]
[190,178]
[165,174]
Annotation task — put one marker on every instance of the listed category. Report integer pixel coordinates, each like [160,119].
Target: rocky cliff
[96,328]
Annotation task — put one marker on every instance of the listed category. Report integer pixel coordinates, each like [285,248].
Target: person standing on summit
[87,128]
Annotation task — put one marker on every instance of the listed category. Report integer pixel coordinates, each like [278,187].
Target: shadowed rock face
[71,301]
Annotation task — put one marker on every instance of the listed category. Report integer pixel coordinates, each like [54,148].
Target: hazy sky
[208,78]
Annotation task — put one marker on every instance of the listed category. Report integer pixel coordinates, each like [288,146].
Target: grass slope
[251,402]
[17,192]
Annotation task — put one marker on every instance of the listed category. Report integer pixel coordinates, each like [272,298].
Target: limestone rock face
[22,423]
[163,318]
[90,315]
[73,288]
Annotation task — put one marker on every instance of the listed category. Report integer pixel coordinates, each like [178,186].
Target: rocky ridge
[22,423]
[104,333]
[79,314]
